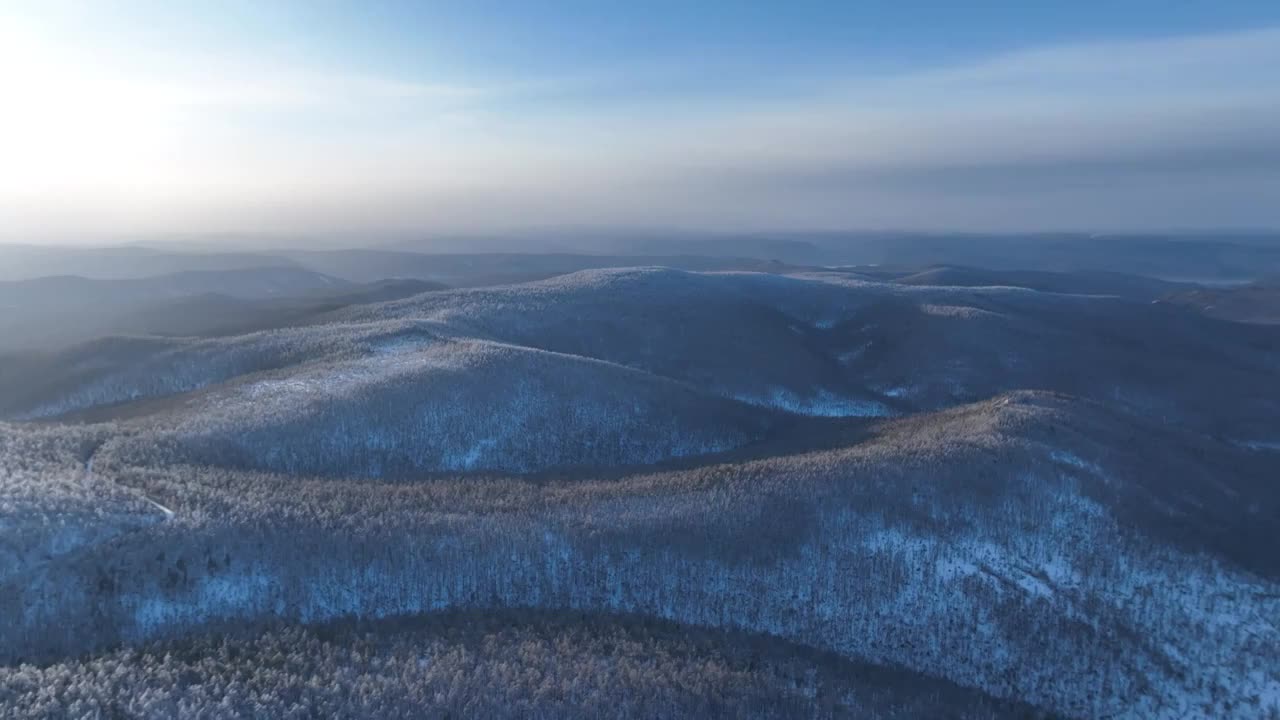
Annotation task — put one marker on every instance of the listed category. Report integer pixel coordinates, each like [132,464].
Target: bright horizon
[136,118]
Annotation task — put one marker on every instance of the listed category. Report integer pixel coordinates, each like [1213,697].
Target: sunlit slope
[1024,546]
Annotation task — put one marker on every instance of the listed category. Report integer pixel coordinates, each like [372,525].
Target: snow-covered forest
[1030,502]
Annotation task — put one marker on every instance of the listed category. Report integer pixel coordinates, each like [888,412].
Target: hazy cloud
[1095,135]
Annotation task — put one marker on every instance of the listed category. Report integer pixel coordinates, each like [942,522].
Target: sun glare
[71,125]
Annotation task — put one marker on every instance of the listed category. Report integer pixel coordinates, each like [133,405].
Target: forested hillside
[492,665]
[799,494]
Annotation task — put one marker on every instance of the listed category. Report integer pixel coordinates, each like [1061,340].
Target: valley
[1042,501]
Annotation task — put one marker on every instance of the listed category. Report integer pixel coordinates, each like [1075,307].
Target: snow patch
[399,344]
[1261,445]
[1066,457]
[215,597]
[848,356]
[897,391]
[823,404]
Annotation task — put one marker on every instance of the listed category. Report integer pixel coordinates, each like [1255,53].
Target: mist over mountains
[818,476]
[523,254]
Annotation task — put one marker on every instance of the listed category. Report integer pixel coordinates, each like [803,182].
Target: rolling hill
[1048,522]
[1134,287]
[810,344]
[1257,302]
[479,664]
[52,313]
[1030,502]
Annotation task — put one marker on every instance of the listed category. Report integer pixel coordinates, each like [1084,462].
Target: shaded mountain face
[815,344]
[248,284]
[1042,502]
[422,406]
[470,269]
[51,313]
[493,665]
[1180,257]
[1201,257]
[26,262]
[114,267]
[1257,302]
[51,298]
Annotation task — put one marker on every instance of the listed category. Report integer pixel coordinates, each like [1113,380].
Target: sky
[123,118]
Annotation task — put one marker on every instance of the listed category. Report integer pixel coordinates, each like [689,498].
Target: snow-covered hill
[1059,500]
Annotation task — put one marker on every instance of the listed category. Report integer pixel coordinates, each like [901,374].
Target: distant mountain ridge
[1079,282]
[1257,302]
[247,283]
[527,256]
[50,313]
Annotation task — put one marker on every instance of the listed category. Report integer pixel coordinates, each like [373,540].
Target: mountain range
[771,490]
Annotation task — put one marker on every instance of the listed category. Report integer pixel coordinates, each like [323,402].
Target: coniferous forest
[651,492]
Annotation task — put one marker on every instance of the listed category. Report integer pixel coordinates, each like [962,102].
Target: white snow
[849,356]
[897,392]
[1066,457]
[167,512]
[824,403]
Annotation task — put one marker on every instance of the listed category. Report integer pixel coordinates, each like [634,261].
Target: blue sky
[140,117]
